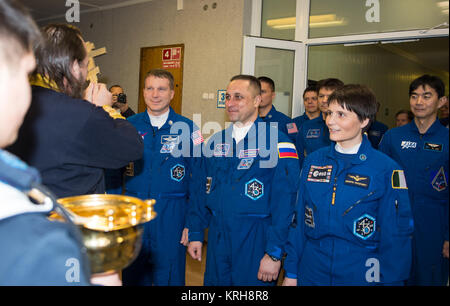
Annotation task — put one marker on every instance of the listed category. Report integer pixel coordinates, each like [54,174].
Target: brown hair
[161,74]
[253,82]
[358,99]
[18,32]
[62,46]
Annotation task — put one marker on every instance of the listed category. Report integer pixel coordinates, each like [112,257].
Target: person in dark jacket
[70,140]
[35,251]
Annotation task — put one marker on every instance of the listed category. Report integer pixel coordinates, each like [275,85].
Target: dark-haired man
[403,117]
[421,148]
[251,180]
[68,139]
[267,111]
[120,101]
[313,134]
[310,102]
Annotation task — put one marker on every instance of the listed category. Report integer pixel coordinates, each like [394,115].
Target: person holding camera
[120,101]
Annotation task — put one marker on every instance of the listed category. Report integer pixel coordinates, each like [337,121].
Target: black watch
[273,257]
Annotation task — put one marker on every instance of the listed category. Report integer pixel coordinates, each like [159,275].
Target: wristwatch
[273,257]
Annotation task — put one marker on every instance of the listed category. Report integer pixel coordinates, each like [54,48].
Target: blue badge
[177,172]
[313,133]
[439,181]
[167,148]
[364,226]
[245,164]
[254,189]
[363,157]
[221,149]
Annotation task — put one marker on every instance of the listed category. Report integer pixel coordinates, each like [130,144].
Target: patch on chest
[408,145]
[221,149]
[313,133]
[254,189]
[433,147]
[320,174]
[167,148]
[439,181]
[245,164]
[177,172]
[364,226]
[357,180]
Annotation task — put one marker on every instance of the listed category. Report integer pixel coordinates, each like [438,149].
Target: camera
[122,98]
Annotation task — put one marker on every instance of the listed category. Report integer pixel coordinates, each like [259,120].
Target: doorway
[170,58]
[387,67]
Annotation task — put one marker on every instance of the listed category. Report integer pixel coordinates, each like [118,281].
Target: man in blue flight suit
[251,181]
[268,112]
[353,220]
[376,131]
[165,174]
[421,148]
[313,134]
[311,106]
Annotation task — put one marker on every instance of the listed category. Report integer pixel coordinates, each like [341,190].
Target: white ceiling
[43,10]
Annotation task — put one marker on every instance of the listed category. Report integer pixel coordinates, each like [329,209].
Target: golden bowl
[111,226]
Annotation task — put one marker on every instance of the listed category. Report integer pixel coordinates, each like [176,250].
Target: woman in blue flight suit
[162,176]
[354,220]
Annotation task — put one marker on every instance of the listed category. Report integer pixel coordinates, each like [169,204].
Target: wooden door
[169,58]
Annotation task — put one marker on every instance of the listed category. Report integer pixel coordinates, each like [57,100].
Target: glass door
[284,62]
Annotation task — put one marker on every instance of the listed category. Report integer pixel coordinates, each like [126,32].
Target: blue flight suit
[376,132]
[35,250]
[248,205]
[285,124]
[425,160]
[300,120]
[353,214]
[168,179]
[312,135]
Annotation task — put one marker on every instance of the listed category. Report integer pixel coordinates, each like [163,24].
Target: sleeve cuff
[195,236]
[275,252]
[291,275]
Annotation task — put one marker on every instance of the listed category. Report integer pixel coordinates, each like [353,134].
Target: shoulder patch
[291,128]
[197,137]
[398,179]
[287,150]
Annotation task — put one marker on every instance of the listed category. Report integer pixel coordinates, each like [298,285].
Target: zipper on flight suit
[333,197]
[359,201]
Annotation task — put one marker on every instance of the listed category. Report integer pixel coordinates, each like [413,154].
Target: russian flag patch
[287,150]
